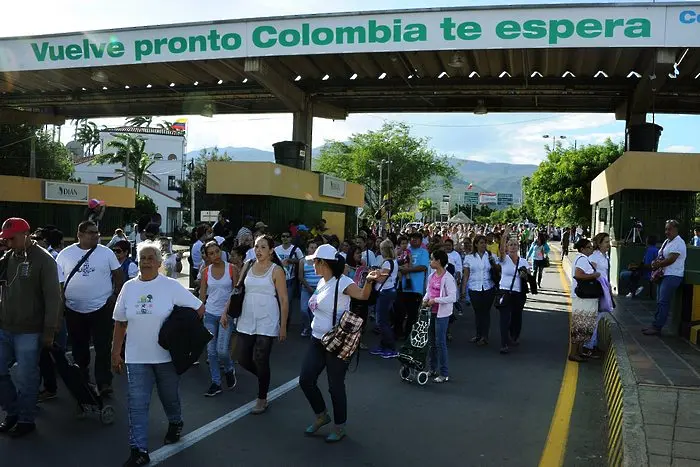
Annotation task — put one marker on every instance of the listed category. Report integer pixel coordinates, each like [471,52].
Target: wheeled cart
[413,355]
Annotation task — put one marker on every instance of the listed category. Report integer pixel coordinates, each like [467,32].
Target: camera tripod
[633,236]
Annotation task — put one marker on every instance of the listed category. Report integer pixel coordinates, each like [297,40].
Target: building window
[172,183]
[172,157]
[104,179]
[158,156]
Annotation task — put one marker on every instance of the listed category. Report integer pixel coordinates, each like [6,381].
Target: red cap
[93,203]
[13,226]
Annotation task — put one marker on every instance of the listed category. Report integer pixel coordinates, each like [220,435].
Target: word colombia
[262,37]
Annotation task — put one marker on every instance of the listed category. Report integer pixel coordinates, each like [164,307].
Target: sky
[514,138]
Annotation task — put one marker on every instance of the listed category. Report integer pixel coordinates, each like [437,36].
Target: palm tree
[89,136]
[426,207]
[78,122]
[128,151]
[140,121]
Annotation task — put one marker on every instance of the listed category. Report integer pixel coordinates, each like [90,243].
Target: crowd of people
[250,282]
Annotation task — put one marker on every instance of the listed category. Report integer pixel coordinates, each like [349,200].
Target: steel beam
[13,116]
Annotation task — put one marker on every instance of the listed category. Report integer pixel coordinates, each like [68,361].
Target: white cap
[219,240]
[324,252]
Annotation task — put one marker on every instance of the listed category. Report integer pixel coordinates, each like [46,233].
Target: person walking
[30,313]
[513,270]
[479,287]
[93,279]
[331,299]
[264,315]
[584,310]
[539,253]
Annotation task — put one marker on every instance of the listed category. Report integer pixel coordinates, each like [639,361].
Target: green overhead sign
[452,29]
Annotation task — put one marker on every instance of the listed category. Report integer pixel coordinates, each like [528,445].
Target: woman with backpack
[386,296]
[218,279]
[328,304]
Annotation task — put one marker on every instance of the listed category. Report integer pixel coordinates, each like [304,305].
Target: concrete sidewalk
[659,378]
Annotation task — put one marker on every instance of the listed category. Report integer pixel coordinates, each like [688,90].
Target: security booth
[276,194]
[632,200]
[62,204]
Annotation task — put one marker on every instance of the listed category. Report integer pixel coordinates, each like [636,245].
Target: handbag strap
[248,265]
[335,301]
[391,271]
[512,283]
[77,266]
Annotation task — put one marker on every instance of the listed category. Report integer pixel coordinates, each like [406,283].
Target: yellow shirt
[493,248]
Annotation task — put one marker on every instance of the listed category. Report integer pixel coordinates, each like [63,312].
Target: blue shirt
[695,241]
[310,275]
[419,257]
[649,256]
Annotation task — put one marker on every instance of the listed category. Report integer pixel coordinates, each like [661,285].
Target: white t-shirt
[372,261]
[283,254]
[583,263]
[133,271]
[321,304]
[508,269]
[91,285]
[145,305]
[218,291]
[454,259]
[479,271]
[600,261]
[390,282]
[197,254]
[677,245]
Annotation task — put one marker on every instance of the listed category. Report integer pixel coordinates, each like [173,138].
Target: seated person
[637,271]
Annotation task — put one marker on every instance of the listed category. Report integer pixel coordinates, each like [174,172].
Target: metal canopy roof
[574,79]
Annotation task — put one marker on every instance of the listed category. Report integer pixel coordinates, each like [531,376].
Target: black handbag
[504,297]
[495,271]
[235,306]
[590,288]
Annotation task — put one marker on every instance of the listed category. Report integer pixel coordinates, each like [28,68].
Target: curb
[626,437]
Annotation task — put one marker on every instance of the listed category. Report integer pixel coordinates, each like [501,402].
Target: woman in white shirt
[386,287]
[330,266]
[143,305]
[479,287]
[217,284]
[584,311]
[264,315]
[513,270]
[600,259]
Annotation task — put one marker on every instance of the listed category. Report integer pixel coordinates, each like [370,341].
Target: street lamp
[388,162]
[555,138]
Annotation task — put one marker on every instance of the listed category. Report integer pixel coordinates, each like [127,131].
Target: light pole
[554,140]
[388,187]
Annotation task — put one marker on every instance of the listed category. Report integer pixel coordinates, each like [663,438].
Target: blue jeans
[141,378]
[667,288]
[305,312]
[438,345]
[385,302]
[218,349]
[18,398]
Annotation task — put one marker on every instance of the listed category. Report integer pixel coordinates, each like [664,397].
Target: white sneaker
[441,379]
[630,295]
[639,290]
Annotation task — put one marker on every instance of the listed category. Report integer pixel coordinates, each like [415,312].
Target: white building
[162,184]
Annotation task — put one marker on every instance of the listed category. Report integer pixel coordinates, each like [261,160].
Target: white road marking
[220,423]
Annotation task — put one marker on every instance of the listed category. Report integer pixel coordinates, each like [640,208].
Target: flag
[180,124]
[470,186]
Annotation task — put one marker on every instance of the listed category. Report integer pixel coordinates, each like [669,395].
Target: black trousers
[538,266]
[512,319]
[482,301]
[316,360]
[97,327]
[254,355]
[406,313]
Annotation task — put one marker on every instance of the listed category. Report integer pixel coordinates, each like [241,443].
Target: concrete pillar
[302,130]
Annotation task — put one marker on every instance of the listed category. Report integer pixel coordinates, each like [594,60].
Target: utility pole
[388,190]
[32,158]
[194,223]
[126,170]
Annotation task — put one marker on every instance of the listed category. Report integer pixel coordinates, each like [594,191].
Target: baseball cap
[260,225]
[324,252]
[13,226]
[219,240]
[93,203]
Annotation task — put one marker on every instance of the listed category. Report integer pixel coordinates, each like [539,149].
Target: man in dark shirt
[30,306]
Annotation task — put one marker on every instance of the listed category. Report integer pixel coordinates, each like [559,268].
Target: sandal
[257,410]
[321,421]
[336,435]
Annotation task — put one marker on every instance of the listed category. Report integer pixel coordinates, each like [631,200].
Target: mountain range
[497,177]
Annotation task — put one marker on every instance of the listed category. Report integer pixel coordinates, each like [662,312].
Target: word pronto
[314,36]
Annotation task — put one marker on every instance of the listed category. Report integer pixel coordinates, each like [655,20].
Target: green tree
[198,174]
[144,206]
[413,170]
[559,191]
[89,136]
[53,160]
[427,208]
[131,149]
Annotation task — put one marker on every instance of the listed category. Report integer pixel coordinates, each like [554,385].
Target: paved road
[495,411]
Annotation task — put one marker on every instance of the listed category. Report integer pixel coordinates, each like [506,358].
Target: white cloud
[679,148]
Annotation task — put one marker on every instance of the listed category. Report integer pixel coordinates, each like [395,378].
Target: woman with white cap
[324,303]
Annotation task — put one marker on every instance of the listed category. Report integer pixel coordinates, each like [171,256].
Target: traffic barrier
[612,384]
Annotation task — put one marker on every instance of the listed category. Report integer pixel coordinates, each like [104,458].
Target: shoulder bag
[343,339]
[589,288]
[375,292]
[75,270]
[235,307]
[504,297]
[495,271]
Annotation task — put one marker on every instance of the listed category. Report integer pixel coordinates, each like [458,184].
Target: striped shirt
[310,275]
